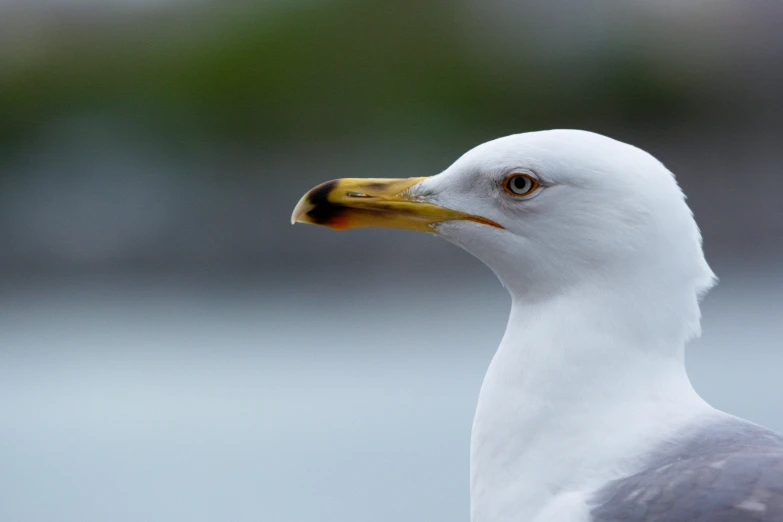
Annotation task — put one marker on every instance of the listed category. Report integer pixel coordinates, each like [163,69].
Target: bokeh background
[171,349]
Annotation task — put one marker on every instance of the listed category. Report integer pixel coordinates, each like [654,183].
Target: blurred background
[172,349]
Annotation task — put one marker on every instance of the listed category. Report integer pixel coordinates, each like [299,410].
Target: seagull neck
[577,385]
[596,343]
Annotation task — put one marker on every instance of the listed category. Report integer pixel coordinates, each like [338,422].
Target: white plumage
[586,411]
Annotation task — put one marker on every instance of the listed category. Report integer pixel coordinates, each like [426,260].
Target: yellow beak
[360,203]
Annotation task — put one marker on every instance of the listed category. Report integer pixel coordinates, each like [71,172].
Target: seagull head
[549,212]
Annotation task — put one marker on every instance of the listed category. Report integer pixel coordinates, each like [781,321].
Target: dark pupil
[519,183]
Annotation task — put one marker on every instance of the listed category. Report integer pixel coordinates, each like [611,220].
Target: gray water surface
[129,400]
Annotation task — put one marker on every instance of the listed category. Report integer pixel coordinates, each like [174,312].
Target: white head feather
[606,213]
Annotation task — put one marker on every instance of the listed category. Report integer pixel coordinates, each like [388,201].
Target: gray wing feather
[728,472]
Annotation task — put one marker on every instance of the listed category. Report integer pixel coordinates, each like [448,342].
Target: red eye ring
[520,185]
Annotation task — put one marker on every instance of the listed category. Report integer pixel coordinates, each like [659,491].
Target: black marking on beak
[323,210]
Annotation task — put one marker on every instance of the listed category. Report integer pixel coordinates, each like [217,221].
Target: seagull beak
[363,203]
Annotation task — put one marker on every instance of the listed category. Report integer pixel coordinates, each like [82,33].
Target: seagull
[586,412]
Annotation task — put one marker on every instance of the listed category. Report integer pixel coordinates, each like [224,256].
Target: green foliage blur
[331,69]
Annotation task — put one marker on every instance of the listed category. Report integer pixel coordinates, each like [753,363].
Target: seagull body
[586,412]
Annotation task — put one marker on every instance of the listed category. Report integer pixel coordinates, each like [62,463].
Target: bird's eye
[520,184]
